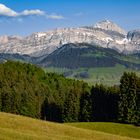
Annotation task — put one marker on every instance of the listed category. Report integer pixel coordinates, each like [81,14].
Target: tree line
[27,90]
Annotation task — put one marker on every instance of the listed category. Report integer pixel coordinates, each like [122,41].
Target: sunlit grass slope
[13,127]
[112,128]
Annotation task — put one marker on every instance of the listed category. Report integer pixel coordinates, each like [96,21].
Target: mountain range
[105,34]
[104,49]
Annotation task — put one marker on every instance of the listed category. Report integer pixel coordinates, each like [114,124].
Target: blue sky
[23,17]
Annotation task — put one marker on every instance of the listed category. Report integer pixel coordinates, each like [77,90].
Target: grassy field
[13,127]
[112,128]
[107,75]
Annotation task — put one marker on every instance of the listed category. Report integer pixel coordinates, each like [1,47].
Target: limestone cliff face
[109,25]
[105,34]
[134,36]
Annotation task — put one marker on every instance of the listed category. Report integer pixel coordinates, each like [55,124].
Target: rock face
[109,25]
[134,36]
[105,34]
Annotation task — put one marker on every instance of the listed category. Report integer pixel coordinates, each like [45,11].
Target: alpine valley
[96,54]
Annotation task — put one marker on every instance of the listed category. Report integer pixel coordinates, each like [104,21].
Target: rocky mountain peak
[109,25]
[106,34]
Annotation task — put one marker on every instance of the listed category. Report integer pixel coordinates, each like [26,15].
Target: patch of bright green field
[112,128]
[130,58]
[106,75]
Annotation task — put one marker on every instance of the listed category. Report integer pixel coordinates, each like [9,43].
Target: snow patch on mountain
[121,42]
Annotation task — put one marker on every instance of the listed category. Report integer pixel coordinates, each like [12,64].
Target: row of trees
[27,90]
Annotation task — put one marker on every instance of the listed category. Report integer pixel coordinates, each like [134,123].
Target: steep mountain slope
[87,56]
[18,57]
[134,36]
[85,62]
[79,55]
[105,34]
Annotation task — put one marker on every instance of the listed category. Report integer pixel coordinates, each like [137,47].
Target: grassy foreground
[112,128]
[13,127]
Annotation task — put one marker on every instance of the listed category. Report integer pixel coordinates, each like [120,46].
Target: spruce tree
[128,98]
[86,107]
[71,107]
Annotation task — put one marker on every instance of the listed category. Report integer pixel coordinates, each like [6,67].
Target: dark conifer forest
[27,90]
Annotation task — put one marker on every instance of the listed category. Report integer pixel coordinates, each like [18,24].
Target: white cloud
[55,16]
[5,11]
[32,12]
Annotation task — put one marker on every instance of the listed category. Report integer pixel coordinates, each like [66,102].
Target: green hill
[14,127]
[83,55]
[91,63]
[86,62]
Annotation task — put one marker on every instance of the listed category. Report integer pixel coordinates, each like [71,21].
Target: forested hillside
[83,61]
[27,90]
[83,55]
